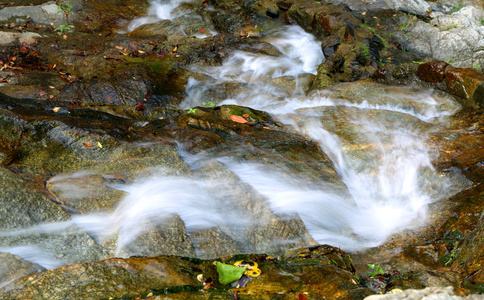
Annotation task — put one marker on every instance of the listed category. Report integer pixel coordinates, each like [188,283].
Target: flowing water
[387,179]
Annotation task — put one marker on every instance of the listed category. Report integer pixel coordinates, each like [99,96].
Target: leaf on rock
[228,273]
[238,119]
[140,106]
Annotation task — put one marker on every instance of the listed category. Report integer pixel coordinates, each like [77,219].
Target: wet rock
[23,206]
[13,38]
[427,293]
[268,8]
[117,92]
[42,14]
[469,258]
[86,192]
[111,278]
[417,7]
[432,71]
[157,276]
[330,45]
[13,267]
[403,71]
[466,83]
[284,5]
[249,32]
[324,19]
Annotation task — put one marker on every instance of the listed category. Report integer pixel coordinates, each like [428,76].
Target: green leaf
[228,273]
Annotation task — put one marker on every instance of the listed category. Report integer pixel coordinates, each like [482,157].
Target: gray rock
[13,267]
[430,293]
[42,14]
[417,7]
[457,38]
[17,38]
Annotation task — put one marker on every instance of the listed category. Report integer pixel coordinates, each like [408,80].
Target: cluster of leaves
[66,9]
[377,270]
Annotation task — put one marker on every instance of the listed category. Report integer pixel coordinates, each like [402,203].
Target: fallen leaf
[301,296]
[208,285]
[140,106]
[88,144]
[238,119]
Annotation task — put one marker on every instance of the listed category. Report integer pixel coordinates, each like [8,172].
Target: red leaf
[238,119]
[301,296]
[140,106]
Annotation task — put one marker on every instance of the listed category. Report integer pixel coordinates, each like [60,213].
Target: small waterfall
[159,10]
[381,191]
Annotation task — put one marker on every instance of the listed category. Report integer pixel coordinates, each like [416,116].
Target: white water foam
[159,10]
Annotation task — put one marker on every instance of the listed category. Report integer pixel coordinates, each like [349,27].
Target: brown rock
[433,71]
[380,73]
[284,5]
[466,83]
[117,278]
